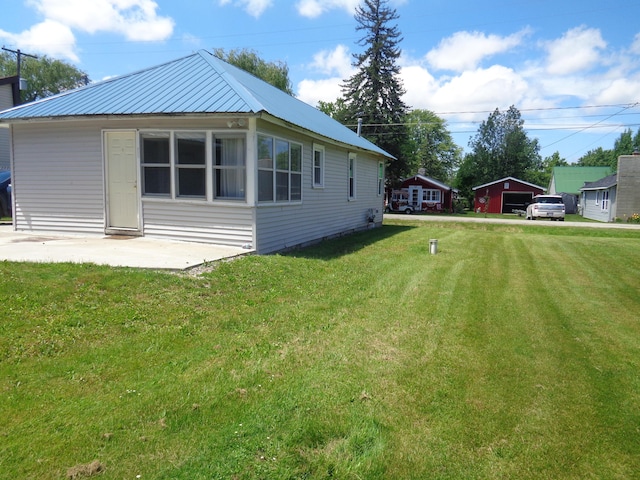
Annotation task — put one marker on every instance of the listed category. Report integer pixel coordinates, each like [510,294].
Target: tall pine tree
[374,92]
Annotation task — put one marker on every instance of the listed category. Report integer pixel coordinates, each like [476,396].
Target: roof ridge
[221,68]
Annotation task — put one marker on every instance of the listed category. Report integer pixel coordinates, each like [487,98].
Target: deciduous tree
[44,75]
[501,148]
[274,73]
[429,146]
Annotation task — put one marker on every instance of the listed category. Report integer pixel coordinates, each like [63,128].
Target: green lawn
[512,353]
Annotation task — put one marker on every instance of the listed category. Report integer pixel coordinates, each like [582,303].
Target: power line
[594,125]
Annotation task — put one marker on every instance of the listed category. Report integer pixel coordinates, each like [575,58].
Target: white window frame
[184,167]
[318,159]
[597,197]
[219,169]
[208,169]
[427,195]
[168,166]
[275,171]
[605,201]
[380,178]
[352,176]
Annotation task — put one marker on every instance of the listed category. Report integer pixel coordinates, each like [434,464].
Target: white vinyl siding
[324,212]
[604,210]
[59,186]
[58,177]
[196,221]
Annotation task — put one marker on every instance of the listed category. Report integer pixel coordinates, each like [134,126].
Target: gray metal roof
[197,84]
[602,184]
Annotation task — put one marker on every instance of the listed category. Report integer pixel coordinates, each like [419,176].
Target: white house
[194,149]
[616,197]
[598,200]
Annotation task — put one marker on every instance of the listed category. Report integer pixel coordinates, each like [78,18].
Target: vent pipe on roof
[359,126]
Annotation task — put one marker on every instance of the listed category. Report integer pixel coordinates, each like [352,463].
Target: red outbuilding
[505,195]
[421,194]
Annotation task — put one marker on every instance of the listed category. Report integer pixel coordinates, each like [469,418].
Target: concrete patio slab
[116,251]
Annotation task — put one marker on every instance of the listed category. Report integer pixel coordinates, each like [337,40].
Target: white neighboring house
[9,96]
[598,200]
[616,197]
[194,149]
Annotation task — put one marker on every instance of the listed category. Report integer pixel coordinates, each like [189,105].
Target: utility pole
[19,56]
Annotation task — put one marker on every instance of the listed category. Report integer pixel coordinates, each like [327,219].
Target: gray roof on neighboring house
[602,184]
[197,84]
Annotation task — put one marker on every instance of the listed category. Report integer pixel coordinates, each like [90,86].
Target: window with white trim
[229,178]
[279,170]
[318,166]
[155,157]
[179,164]
[191,164]
[352,176]
[380,178]
[430,195]
[605,200]
[597,197]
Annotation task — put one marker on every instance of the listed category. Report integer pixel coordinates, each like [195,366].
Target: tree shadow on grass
[331,248]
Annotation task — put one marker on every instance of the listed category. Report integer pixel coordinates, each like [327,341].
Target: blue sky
[571,67]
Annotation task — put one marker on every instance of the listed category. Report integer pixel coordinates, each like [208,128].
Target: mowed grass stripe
[363,357]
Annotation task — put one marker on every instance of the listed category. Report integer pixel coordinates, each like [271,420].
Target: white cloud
[420,86]
[465,50]
[578,50]
[336,61]
[336,66]
[327,90]
[481,89]
[134,19]
[315,8]
[49,38]
[622,90]
[255,8]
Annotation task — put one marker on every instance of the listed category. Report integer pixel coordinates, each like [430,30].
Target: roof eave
[129,116]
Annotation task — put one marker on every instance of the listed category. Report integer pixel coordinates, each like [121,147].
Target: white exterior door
[123,205]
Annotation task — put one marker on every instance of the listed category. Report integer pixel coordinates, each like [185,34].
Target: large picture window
[279,170]
[193,165]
